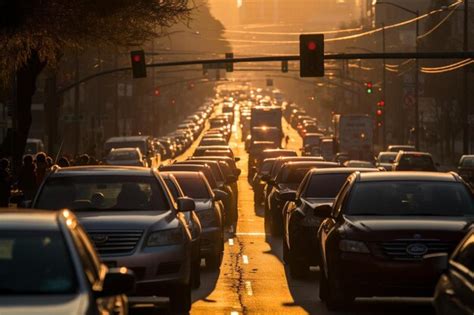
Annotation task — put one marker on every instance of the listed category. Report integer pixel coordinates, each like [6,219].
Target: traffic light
[369,87]
[312,55]
[138,64]
[379,113]
[157,92]
[229,66]
[284,66]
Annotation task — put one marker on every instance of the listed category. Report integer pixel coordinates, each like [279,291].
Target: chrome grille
[398,249]
[115,242]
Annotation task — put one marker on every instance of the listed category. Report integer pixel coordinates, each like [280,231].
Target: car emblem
[417,249]
[100,238]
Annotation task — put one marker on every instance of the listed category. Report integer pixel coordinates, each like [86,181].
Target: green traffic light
[369,91]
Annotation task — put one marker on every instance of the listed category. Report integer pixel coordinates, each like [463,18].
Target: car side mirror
[231,179]
[237,159]
[117,281]
[438,261]
[186,204]
[25,204]
[219,194]
[271,182]
[323,211]
[288,196]
[238,172]
[265,177]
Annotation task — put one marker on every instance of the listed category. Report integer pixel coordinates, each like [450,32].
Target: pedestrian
[5,183]
[49,161]
[27,178]
[287,139]
[41,167]
[63,162]
[83,160]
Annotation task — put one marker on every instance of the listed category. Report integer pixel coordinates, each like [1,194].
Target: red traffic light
[312,45]
[136,58]
[381,104]
[379,112]
[157,92]
[369,85]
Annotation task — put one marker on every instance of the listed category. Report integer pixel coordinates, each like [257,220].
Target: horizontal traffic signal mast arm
[393,55]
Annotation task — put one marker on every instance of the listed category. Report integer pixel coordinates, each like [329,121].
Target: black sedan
[380,235]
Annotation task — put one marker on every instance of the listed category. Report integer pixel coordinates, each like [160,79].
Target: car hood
[370,227]
[286,187]
[127,220]
[43,304]
[316,202]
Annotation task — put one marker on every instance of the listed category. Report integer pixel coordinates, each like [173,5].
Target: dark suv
[382,230]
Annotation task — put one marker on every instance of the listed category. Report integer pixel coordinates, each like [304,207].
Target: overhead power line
[448,68]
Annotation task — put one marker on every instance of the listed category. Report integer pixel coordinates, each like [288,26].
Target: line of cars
[371,232]
[150,229]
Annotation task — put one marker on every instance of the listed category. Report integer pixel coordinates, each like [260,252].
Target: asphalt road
[253,278]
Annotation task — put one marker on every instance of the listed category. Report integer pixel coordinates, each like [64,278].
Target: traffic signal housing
[369,87]
[380,113]
[311,55]
[284,66]
[138,64]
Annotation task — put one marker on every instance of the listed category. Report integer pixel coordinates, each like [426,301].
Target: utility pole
[384,85]
[417,86]
[76,122]
[465,106]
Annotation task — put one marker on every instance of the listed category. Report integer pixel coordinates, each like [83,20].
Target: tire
[298,269]
[196,274]
[180,299]
[336,299]
[214,261]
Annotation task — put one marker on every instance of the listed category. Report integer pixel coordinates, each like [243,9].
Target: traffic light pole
[343,56]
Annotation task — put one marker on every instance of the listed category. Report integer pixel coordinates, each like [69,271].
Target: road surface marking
[251,233]
[248,287]
[245,259]
[231,241]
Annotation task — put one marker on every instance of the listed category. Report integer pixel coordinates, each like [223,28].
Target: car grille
[399,249]
[115,242]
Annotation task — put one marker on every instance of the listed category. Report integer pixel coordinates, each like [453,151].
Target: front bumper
[156,268]
[364,275]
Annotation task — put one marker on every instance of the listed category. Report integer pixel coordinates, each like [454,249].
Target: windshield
[123,155]
[312,140]
[31,148]
[194,187]
[325,185]
[410,198]
[35,262]
[416,160]
[103,193]
[292,175]
[387,158]
[127,144]
[468,162]
[266,167]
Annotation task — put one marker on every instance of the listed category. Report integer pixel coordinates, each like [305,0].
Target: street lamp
[417,118]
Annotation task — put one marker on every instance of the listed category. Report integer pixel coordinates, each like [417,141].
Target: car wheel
[196,274]
[298,268]
[180,299]
[214,261]
[336,299]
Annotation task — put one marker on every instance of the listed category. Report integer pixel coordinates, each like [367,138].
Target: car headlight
[353,247]
[165,237]
[207,217]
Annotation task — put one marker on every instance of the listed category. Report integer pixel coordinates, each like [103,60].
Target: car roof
[101,170]
[181,174]
[28,219]
[304,163]
[407,176]
[342,170]
[213,147]
[124,149]
[130,138]
[414,153]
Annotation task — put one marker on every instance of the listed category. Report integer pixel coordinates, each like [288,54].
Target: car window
[341,197]
[194,187]
[465,255]
[394,198]
[325,185]
[103,193]
[89,264]
[467,162]
[35,262]
[123,155]
[172,187]
[416,160]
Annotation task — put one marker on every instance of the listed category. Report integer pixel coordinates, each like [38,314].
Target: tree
[35,33]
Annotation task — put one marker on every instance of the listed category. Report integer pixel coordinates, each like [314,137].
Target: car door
[461,274]
[92,269]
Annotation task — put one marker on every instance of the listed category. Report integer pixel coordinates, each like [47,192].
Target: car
[209,209]
[454,294]
[288,179]
[357,163]
[125,157]
[466,168]
[256,162]
[401,147]
[215,150]
[194,225]
[133,220]
[49,266]
[377,237]
[231,162]
[310,141]
[212,141]
[258,183]
[414,161]
[386,159]
[301,222]
[144,143]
